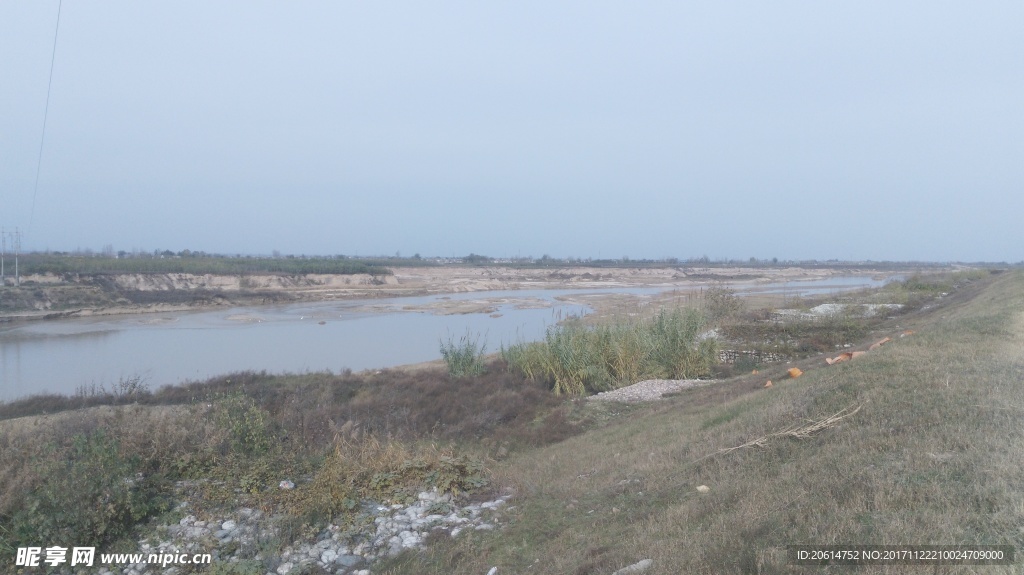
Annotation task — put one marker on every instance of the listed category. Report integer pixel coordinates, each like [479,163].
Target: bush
[88,496]
[465,358]
[575,358]
[248,424]
[389,470]
[721,303]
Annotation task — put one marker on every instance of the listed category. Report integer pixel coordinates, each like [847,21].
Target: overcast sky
[798,130]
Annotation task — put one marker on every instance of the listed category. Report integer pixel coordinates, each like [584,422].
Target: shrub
[388,470]
[89,495]
[721,303]
[248,424]
[465,358]
[575,358]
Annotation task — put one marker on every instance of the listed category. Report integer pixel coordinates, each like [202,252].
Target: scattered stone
[703,488]
[390,530]
[638,567]
[286,484]
[348,560]
[649,390]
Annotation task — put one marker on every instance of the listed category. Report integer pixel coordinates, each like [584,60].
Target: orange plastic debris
[906,333]
[769,384]
[754,372]
[794,372]
[879,343]
[841,357]
[846,355]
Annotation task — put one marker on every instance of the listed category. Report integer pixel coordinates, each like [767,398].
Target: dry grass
[919,442]
[379,434]
[798,431]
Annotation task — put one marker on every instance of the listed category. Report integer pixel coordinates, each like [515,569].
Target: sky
[867,130]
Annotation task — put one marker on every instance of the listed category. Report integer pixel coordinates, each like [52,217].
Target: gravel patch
[648,390]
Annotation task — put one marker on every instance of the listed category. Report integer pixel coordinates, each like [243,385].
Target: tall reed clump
[576,359]
[465,358]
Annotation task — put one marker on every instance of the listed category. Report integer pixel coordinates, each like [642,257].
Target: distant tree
[476,259]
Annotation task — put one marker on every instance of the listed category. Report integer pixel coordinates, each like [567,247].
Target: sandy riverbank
[53,297]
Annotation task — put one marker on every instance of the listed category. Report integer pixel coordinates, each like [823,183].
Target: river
[64,356]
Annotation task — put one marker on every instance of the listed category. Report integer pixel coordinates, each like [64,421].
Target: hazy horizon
[791,130]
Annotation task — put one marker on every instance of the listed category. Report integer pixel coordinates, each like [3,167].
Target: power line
[46,113]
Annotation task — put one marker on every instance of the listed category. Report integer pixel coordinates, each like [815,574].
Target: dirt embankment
[44,296]
[50,296]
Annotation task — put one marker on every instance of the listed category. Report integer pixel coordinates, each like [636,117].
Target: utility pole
[3,252]
[17,248]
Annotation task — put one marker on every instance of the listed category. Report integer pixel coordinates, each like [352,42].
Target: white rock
[328,556]
[638,567]
[284,568]
[228,525]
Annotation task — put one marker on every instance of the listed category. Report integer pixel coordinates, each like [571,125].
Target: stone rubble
[649,390]
[638,567]
[382,530]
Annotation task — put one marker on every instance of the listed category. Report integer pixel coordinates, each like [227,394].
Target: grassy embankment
[96,475]
[931,456]
[592,503]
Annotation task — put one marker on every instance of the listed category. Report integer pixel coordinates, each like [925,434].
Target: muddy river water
[63,356]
